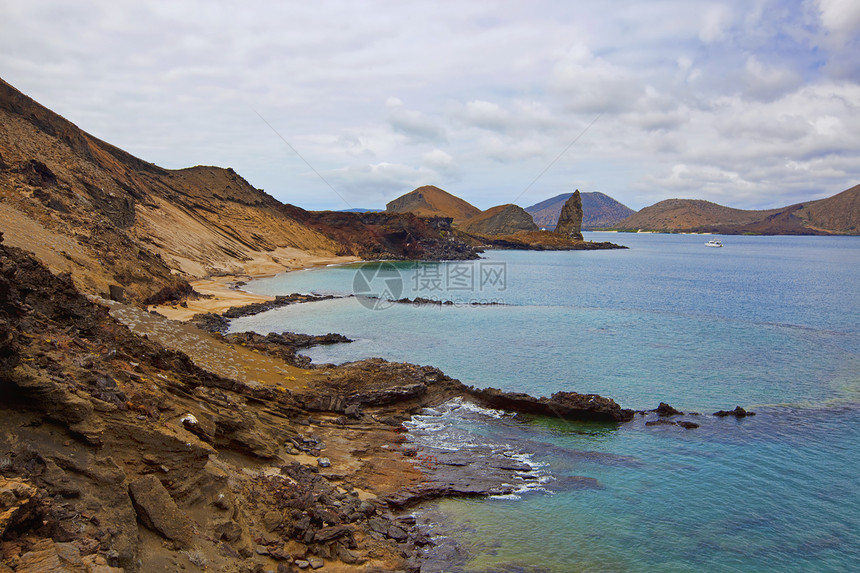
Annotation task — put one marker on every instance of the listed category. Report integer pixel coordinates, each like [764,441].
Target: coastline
[220,293]
[346,432]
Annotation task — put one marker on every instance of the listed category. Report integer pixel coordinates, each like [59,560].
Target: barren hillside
[127,228]
[499,220]
[430,201]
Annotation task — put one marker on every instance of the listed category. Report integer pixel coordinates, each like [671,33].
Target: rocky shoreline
[120,453]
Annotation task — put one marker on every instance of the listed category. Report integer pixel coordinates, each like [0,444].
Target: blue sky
[751,104]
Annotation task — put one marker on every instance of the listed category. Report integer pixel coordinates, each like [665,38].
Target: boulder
[19,502]
[157,510]
[665,409]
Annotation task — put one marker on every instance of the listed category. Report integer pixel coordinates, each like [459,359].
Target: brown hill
[499,220]
[110,219]
[430,201]
[839,214]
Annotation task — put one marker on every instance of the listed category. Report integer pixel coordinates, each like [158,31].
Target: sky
[333,105]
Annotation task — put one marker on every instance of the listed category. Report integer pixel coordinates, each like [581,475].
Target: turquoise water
[768,323]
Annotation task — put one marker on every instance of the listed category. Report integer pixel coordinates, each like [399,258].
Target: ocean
[771,324]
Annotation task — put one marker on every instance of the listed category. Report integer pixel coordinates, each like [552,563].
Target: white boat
[714,243]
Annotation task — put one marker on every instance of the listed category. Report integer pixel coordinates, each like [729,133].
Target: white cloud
[586,83]
[758,100]
[437,159]
[764,82]
[841,17]
[414,124]
[715,21]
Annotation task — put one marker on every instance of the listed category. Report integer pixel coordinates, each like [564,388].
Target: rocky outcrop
[20,502]
[665,409]
[157,510]
[599,211]
[566,405]
[280,301]
[738,412]
[570,220]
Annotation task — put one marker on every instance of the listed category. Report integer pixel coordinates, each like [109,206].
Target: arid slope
[837,215]
[430,201]
[130,229]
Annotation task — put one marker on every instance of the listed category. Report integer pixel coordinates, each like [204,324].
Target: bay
[768,323]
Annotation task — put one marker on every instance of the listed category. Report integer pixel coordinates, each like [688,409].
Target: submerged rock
[738,412]
[681,423]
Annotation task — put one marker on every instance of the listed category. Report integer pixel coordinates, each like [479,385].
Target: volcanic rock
[738,412]
[570,221]
[567,405]
[501,220]
[665,409]
[157,510]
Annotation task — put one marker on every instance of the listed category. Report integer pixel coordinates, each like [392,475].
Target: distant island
[836,215]
[505,226]
[599,211]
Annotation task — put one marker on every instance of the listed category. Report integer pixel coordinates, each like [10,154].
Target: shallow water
[768,323]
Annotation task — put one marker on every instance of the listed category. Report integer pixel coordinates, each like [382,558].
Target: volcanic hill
[500,220]
[836,215]
[599,211]
[128,228]
[430,201]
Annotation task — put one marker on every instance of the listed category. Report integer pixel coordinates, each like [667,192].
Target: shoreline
[373,395]
[220,293]
[252,456]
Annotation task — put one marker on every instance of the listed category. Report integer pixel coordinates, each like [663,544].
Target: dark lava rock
[280,301]
[566,405]
[738,412]
[665,409]
[211,322]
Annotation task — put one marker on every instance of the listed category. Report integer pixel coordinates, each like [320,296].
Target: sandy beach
[220,293]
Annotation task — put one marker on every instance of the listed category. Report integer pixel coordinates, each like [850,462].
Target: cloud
[757,101]
[438,160]
[840,17]
[375,184]
[413,124]
[486,115]
[763,82]
[715,20]
[586,83]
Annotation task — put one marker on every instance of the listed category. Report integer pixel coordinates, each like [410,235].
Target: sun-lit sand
[220,293]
